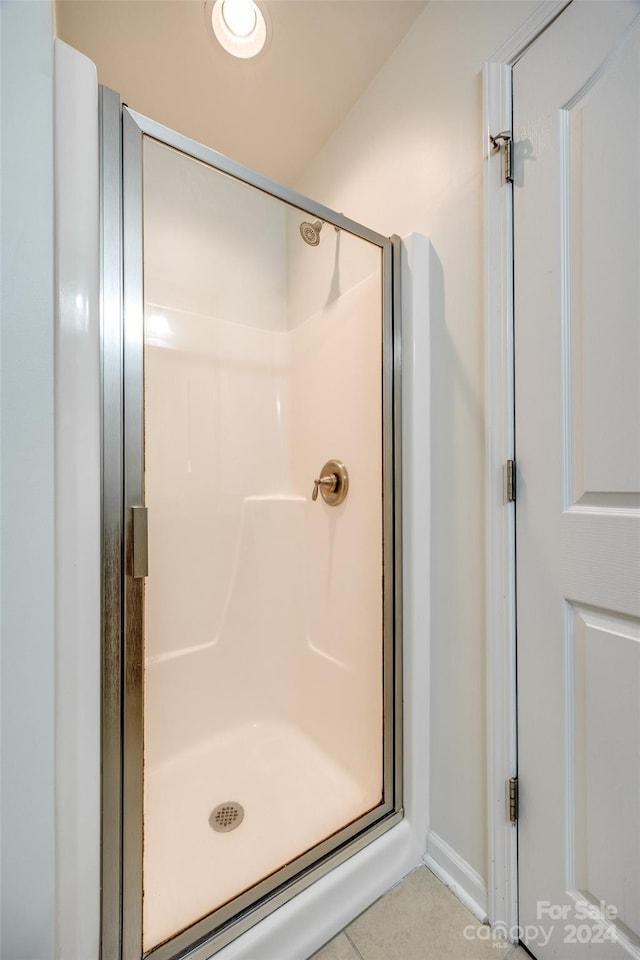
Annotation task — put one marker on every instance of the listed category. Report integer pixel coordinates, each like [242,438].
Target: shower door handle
[140,543]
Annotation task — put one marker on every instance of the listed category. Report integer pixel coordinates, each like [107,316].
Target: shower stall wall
[261,696]
[263,610]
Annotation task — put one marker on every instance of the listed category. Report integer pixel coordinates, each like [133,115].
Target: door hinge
[509,481]
[140,552]
[513,799]
[504,143]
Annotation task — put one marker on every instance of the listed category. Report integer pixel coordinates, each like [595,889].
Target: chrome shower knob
[333,483]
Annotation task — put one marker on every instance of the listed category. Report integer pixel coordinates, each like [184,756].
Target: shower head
[310,232]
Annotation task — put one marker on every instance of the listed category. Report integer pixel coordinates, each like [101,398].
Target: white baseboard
[457,875]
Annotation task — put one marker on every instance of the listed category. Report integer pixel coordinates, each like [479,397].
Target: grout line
[357,952]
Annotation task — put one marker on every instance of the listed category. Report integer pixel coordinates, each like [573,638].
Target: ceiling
[272,113]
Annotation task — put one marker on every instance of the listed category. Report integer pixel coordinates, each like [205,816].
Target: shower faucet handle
[333,483]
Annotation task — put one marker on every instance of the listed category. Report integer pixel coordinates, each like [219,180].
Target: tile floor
[419,919]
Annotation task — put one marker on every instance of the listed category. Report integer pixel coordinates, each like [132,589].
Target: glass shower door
[260,650]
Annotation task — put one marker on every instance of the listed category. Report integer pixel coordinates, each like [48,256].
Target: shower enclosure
[252,701]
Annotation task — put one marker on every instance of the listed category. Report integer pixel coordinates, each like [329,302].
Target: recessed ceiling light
[239,16]
[239,26]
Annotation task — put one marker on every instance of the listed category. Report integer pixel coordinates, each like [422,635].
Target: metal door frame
[122,133]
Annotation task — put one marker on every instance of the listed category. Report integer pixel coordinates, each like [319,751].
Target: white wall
[408,157]
[27,463]
[78,531]
[50,644]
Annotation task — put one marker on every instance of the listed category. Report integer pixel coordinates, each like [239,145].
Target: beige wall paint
[408,157]
[272,113]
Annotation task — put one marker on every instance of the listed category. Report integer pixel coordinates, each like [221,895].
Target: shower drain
[226,816]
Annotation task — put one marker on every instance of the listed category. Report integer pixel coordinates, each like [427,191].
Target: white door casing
[576,99]
[502,876]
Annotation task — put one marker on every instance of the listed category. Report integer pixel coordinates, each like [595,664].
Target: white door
[577,375]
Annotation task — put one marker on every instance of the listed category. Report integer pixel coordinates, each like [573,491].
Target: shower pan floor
[293,793]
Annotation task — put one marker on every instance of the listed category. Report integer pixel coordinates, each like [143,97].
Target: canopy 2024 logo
[578,922]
